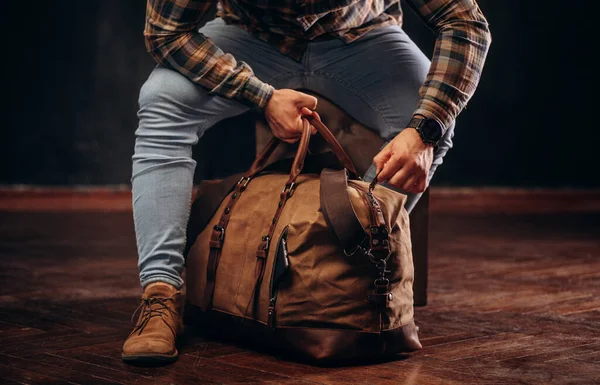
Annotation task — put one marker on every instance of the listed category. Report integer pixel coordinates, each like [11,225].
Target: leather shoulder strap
[337,208]
[205,206]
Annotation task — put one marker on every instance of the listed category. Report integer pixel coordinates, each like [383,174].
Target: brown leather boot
[160,322]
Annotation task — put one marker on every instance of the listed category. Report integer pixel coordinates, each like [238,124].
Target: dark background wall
[72,70]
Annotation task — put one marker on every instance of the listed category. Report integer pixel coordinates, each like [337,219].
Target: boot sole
[149,359]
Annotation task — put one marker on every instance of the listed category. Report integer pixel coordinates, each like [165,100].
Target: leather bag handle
[262,158]
[298,164]
[337,148]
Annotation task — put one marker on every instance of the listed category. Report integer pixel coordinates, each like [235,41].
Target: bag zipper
[280,267]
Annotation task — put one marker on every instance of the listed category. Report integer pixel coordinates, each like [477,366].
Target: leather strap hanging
[338,210]
[218,235]
[286,193]
[205,206]
[216,242]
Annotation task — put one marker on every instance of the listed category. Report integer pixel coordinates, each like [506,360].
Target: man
[253,55]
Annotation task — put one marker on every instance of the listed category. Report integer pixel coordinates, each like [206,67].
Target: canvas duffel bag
[317,263]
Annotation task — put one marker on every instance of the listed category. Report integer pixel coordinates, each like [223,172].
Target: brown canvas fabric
[319,307]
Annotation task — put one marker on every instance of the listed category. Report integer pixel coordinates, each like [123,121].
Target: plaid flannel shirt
[463,38]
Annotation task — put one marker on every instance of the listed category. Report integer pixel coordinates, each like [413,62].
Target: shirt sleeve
[463,40]
[172,38]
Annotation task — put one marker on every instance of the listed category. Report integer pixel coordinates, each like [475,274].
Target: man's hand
[405,161]
[284,113]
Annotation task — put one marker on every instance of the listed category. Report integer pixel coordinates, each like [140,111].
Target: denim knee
[169,113]
[166,86]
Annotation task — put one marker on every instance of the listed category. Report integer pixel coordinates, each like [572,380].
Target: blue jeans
[375,79]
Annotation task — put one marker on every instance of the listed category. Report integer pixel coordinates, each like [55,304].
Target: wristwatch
[430,130]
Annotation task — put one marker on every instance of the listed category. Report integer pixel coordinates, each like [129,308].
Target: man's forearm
[172,38]
[460,51]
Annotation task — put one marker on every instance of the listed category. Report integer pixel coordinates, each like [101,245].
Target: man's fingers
[287,135]
[306,111]
[390,166]
[380,159]
[410,184]
[305,100]
[400,178]
[291,135]
[421,185]
[300,126]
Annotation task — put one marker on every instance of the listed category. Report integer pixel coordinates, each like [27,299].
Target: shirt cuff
[433,110]
[256,94]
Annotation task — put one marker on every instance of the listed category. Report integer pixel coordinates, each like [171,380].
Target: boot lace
[150,308]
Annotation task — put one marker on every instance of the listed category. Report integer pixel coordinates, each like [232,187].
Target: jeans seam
[307,60]
[187,220]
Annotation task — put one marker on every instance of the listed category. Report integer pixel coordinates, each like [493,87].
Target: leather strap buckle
[382,295]
[221,230]
[267,240]
[243,182]
[288,189]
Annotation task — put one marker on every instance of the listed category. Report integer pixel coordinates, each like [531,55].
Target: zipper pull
[271,313]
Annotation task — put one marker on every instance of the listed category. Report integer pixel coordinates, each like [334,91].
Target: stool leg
[419,232]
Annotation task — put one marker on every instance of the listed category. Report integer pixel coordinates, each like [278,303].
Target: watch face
[432,130]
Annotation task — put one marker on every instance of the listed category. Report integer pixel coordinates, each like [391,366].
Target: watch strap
[415,122]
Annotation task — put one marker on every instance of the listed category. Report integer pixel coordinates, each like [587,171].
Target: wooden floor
[513,299]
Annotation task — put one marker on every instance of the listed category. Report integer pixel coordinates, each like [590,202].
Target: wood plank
[513,299]
[59,343]
[591,357]
[21,376]
[543,352]
[62,373]
[89,366]
[512,372]
[443,200]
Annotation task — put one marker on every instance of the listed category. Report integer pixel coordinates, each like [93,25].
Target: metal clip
[381,266]
[374,182]
[373,259]
[351,253]
[356,248]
